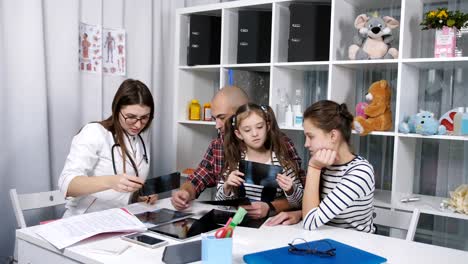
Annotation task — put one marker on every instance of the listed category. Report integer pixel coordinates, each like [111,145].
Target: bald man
[223,105]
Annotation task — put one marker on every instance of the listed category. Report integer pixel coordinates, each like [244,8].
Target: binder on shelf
[204,40]
[254,36]
[343,254]
[309,32]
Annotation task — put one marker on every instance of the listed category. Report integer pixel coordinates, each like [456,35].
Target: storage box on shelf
[417,81]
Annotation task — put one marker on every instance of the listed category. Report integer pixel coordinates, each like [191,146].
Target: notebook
[344,254]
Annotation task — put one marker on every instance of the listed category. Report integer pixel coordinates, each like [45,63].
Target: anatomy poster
[90,48]
[113,56]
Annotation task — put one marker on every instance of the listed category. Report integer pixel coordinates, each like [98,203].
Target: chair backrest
[23,202]
[397,219]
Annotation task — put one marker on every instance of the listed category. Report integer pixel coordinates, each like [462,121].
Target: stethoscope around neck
[145,156]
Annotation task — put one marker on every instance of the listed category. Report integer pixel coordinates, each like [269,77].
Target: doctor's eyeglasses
[321,248]
[132,120]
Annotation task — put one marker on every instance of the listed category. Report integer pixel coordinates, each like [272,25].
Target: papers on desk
[68,231]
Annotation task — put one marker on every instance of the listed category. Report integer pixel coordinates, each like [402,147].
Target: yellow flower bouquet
[437,19]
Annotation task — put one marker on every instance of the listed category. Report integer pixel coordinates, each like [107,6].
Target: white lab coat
[90,155]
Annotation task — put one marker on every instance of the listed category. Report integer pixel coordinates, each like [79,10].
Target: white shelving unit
[337,79]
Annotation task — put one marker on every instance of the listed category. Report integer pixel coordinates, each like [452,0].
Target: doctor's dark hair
[130,92]
[233,146]
[328,115]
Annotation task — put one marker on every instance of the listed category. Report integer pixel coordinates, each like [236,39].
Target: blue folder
[344,254]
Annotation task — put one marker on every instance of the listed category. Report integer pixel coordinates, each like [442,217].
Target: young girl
[253,134]
[340,185]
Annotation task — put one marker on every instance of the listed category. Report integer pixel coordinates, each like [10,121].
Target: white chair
[24,202]
[397,219]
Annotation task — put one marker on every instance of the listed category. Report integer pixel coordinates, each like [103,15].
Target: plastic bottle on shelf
[194,110]
[464,125]
[457,121]
[297,119]
[297,109]
[298,99]
[288,117]
[281,108]
[207,112]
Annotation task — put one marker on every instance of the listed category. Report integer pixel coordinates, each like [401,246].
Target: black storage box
[254,36]
[309,32]
[204,40]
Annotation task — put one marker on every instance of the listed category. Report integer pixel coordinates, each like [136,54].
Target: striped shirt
[346,195]
[254,192]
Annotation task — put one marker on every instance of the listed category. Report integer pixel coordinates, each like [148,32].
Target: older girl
[340,185]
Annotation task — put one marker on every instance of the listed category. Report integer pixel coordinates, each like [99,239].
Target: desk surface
[248,240]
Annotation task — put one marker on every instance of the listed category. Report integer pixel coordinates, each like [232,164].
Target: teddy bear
[379,113]
[374,38]
[422,123]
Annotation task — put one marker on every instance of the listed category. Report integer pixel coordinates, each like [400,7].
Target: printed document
[68,231]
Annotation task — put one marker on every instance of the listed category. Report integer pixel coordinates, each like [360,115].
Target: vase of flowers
[447,25]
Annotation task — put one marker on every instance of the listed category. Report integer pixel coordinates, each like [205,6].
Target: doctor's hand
[285,183]
[234,180]
[149,199]
[180,199]
[322,158]
[125,183]
[285,218]
[257,210]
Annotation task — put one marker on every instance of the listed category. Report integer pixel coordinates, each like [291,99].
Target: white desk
[33,249]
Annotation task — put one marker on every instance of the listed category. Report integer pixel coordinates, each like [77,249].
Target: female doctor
[108,160]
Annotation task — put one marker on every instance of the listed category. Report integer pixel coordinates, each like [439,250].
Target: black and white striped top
[347,196]
[254,192]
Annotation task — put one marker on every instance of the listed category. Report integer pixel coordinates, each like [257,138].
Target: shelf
[292,128]
[417,81]
[383,198]
[304,66]
[440,137]
[205,68]
[426,204]
[261,67]
[367,64]
[378,133]
[438,63]
[190,122]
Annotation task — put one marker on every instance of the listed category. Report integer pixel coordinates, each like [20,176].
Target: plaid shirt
[209,171]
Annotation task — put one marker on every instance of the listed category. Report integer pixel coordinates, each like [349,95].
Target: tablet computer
[185,229]
[161,216]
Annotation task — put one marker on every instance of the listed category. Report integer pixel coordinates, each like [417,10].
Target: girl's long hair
[233,146]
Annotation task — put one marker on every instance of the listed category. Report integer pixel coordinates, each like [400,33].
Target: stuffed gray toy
[374,38]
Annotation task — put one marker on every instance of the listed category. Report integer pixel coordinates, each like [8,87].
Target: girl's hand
[234,180]
[285,218]
[125,183]
[149,199]
[322,158]
[285,183]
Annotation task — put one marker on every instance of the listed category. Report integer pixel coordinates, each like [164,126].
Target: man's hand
[257,210]
[180,199]
[285,218]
